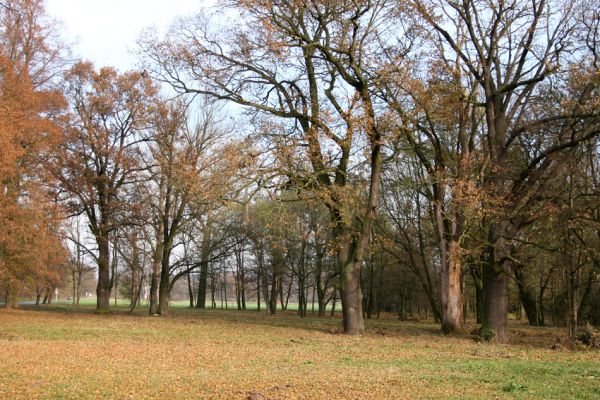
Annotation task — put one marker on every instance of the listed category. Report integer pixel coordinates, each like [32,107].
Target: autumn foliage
[31,250]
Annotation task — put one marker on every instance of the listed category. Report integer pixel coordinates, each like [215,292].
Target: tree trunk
[204,259]
[74,286]
[527,299]
[11,296]
[163,291]
[78,292]
[320,286]
[190,290]
[202,283]
[154,285]
[452,318]
[496,272]
[570,283]
[334,303]
[258,278]
[103,288]
[371,295]
[351,294]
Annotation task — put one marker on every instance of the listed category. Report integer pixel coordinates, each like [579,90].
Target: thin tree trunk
[190,290]
[334,303]
[527,298]
[204,259]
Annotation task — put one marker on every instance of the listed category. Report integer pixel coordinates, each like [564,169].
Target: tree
[509,54]
[30,246]
[304,70]
[101,156]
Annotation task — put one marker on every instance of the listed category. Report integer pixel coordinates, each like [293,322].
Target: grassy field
[60,352]
[232,305]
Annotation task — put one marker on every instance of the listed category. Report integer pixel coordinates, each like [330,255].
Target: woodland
[427,159]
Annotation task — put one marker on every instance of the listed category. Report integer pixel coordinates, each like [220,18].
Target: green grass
[230,305]
[60,351]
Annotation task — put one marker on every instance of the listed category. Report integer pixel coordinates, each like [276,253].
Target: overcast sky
[105,31]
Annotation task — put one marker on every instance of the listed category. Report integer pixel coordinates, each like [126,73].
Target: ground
[61,352]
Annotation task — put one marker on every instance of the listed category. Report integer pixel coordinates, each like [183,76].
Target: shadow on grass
[387,325]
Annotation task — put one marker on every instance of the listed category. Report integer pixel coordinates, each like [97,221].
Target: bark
[496,272]
[155,283]
[103,288]
[452,319]
[258,280]
[190,289]
[451,296]
[155,277]
[351,294]
[370,299]
[135,266]
[570,283]
[204,257]
[163,292]
[527,298]
[334,303]
[11,296]
[277,266]
[320,284]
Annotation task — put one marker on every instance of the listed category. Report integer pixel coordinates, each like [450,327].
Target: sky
[105,31]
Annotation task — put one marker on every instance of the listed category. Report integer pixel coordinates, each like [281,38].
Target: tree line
[388,155]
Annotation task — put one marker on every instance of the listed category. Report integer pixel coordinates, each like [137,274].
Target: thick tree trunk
[496,272]
[351,294]
[11,296]
[202,284]
[154,285]
[450,263]
[103,288]
[452,318]
[495,288]
[163,292]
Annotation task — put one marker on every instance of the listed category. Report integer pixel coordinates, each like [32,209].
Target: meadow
[66,352]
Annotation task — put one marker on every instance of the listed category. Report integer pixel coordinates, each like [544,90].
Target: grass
[69,353]
[232,305]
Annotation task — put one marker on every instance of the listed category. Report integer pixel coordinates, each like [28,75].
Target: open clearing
[67,353]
